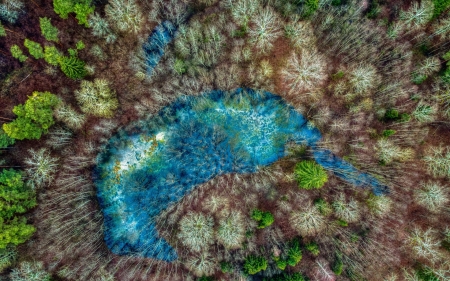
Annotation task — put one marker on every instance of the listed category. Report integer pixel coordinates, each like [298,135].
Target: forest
[214,140]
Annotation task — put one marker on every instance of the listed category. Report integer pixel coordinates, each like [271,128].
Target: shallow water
[156,162]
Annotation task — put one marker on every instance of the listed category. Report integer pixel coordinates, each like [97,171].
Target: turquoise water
[153,163]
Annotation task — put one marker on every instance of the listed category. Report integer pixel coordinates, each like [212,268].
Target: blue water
[156,43]
[154,163]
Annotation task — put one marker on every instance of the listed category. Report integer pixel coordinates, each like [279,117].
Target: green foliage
[310,6]
[15,196]
[338,265]
[17,53]
[281,264]
[180,66]
[310,175]
[338,75]
[265,219]
[391,114]
[342,223]
[72,52]
[440,6]
[82,12]
[49,31]
[2,30]
[418,78]
[287,277]
[388,133]
[323,206]
[7,257]
[226,267]
[5,140]
[80,45]
[294,253]
[426,274]
[51,55]
[15,231]
[33,118]
[374,9]
[34,48]
[72,67]
[205,278]
[313,248]
[254,264]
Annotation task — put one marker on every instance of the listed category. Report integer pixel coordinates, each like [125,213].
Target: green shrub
[287,277]
[294,253]
[310,7]
[323,206]
[439,7]
[205,278]
[2,30]
[49,31]
[35,49]
[338,265]
[281,264]
[5,140]
[51,55]
[310,175]
[374,9]
[391,114]
[33,118]
[254,264]
[426,274]
[265,219]
[72,67]
[388,133]
[226,267]
[313,248]
[80,45]
[419,78]
[82,9]
[17,53]
[342,223]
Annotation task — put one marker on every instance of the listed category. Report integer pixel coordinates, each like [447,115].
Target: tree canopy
[33,118]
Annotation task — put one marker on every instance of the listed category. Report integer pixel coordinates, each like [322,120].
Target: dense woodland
[372,76]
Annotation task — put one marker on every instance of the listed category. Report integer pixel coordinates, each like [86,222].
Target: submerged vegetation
[282,140]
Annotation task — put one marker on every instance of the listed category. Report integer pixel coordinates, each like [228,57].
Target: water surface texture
[154,163]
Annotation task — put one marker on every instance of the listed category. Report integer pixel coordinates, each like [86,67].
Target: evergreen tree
[17,53]
[72,67]
[34,48]
[49,31]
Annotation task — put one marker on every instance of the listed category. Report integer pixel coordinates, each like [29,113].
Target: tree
[196,231]
[125,15]
[294,253]
[254,264]
[72,67]
[7,257]
[15,231]
[30,271]
[310,175]
[309,221]
[313,248]
[17,53]
[33,118]
[265,30]
[5,140]
[305,72]
[34,48]
[82,12]
[15,196]
[41,167]
[264,219]
[52,55]
[231,231]
[10,10]
[432,196]
[2,30]
[97,98]
[49,31]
